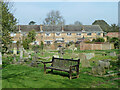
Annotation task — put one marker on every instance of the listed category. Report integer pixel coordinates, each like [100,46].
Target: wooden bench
[66,65]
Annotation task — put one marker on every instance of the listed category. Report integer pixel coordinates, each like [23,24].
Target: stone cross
[15,51]
[14,54]
[21,53]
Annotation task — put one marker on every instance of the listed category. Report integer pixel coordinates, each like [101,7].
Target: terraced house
[66,33]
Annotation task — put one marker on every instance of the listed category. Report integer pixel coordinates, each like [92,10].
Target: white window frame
[98,33]
[47,34]
[78,34]
[57,34]
[45,41]
[89,33]
[69,34]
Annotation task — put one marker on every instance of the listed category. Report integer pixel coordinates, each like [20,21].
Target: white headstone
[21,53]
[56,56]
[89,55]
[15,51]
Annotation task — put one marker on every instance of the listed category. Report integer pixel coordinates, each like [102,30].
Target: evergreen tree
[8,24]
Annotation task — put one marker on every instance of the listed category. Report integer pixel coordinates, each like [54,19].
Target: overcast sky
[85,12]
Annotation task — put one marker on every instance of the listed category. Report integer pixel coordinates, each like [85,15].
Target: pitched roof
[55,28]
[52,28]
[27,28]
[92,28]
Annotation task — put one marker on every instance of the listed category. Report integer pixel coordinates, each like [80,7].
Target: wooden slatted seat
[66,65]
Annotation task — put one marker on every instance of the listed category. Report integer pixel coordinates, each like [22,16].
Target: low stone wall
[88,46]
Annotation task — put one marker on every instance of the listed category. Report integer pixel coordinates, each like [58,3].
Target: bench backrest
[64,63]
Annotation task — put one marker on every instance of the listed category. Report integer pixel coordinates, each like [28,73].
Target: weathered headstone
[21,53]
[89,55]
[84,61]
[104,63]
[112,53]
[75,49]
[29,55]
[61,52]
[73,55]
[98,70]
[72,47]
[26,53]
[56,56]
[15,51]
[14,55]
[34,64]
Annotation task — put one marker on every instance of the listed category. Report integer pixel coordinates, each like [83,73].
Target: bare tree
[77,23]
[54,18]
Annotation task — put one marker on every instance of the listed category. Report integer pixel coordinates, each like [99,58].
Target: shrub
[100,40]
[113,39]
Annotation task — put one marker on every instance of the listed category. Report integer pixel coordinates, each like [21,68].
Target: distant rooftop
[56,28]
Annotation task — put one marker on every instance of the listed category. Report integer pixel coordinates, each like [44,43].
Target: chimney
[41,28]
[62,29]
[19,29]
[83,30]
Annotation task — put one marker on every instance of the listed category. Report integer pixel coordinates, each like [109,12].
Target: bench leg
[70,75]
[77,75]
[77,72]
[51,70]
[44,69]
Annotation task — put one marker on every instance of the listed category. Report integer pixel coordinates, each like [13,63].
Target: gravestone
[15,51]
[75,49]
[56,56]
[89,55]
[83,60]
[0,58]
[104,63]
[98,70]
[21,53]
[29,55]
[26,53]
[61,52]
[34,64]
[14,55]
[72,47]
[112,53]
[73,55]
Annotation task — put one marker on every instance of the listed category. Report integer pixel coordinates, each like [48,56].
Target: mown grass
[19,76]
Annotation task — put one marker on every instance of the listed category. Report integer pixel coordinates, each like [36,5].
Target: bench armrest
[47,62]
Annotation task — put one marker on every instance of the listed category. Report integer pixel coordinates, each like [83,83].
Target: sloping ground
[19,76]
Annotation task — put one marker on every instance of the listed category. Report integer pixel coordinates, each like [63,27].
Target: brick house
[66,33]
[112,34]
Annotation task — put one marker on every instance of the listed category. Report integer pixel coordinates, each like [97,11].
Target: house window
[68,34]
[78,34]
[98,33]
[48,42]
[57,34]
[88,33]
[47,34]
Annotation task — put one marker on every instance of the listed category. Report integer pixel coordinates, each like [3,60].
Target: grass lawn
[19,76]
